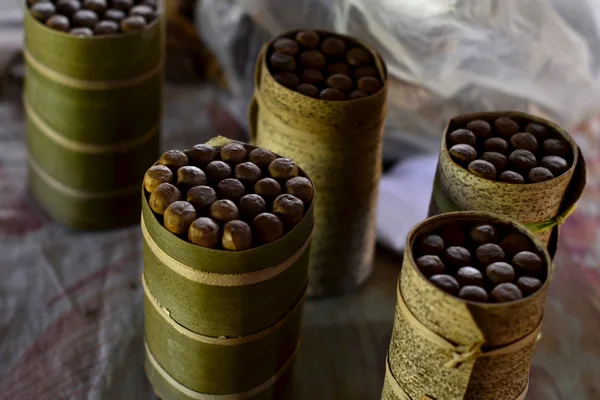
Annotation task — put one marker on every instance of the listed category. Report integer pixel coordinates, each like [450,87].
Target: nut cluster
[482,262]
[86,18]
[232,198]
[326,67]
[504,150]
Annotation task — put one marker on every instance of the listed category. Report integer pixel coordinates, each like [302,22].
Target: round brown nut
[85,18]
[515,243]
[248,173]
[511,177]
[97,6]
[489,253]
[162,197]
[230,189]
[456,256]
[505,292]
[330,94]
[366,71]
[340,82]
[286,45]
[496,144]
[333,47]
[68,7]
[283,61]
[251,205]
[463,153]
[308,90]
[555,164]
[200,155]
[289,209]
[217,170]
[267,228]
[308,39]
[143,11]
[312,59]
[233,153]
[368,84]
[522,159]
[452,235]
[268,188]
[112,14]
[528,263]
[82,32]
[301,188]
[106,27]
[430,245]
[283,169]
[358,57]
[237,236]
[556,147]
[480,128]
[540,174]
[506,127]
[59,23]
[156,175]
[498,160]
[261,157]
[201,197]
[189,176]
[204,232]
[43,11]
[462,136]
[483,169]
[287,79]
[500,272]
[430,265]
[525,141]
[339,68]
[357,94]
[473,293]
[539,131]
[122,5]
[135,23]
[179,216]
[482,234]
[224,211]
[445,282]
[469,276]
[528,285]
[313,77]
[174,159]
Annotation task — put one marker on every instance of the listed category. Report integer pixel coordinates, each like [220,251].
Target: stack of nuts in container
[232,198]
[324,66]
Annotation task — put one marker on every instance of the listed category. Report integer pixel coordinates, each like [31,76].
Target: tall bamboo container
[339,145]
[93,108]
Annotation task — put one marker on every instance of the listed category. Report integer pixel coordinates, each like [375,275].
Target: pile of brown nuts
[482,262]
[232,198]
[509,152]
[86,18]
[328,67]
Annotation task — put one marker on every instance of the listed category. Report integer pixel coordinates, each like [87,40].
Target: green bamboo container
[221,323]
[93,110]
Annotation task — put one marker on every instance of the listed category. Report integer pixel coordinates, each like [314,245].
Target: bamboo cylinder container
[93,108]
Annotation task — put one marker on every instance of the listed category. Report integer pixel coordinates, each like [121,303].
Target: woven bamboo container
[540,206]
[222,324]
[446,348]
[339,145]
[93,110]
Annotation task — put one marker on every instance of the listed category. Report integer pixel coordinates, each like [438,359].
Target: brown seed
[456,256]
[430,245]
[289,209]
[505,292]
[248,173]
[539,131]
[445,282]
[498,160]
[430,265]
[496,144]
[368,84]
[173,159]
[267,228]
[179,216]
[68,7]
[251,205]
[366,71]
[312,59]
[308,90]
[230,189]
[156,175]
[358,57]
[522,159]
[525,141]
[200,155]
[112,14]
[286,45]
[357,94]
[480,128]
[528,263]
[287,79]
[489,253]
[500,272]
[204,232]
[97,6]
[201,197]
[483,169]
[237,236]
[313,77]
[261,157]
[224,211]
[340,82]
[162,197]
[463,153]
[133,24]
[82,32]
[233,153]
[453,236]
[283,61]
[144,11]
[330,94]
[540,174]
[506,127]
[301,188]
[515,243]
[482,234]
[268,188]
[473,293]
[43,11]
[556,147]
[189,176]
[122,5]
[462,136]
[308,39]
[339,68]
[283,169]
[528,285]
[555,164]
[469,276]
[59,23]
[333,47]
[106,28]
[511,177]
[217,170]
